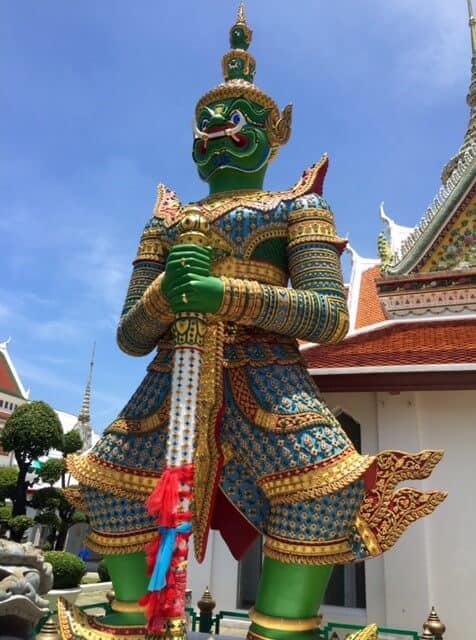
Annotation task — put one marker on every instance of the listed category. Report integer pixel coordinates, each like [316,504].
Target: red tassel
[163,501]
[163,504]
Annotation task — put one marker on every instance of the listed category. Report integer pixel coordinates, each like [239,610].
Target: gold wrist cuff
[155,303]
[284,624]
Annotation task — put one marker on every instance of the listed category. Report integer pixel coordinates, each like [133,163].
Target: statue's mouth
[228,130]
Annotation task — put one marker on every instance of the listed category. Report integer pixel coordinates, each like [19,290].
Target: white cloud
[436,49]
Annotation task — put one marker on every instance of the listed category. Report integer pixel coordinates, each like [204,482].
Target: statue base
[74,624]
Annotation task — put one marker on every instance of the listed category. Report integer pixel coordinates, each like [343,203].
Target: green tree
[8,482]
[72,442]
[30,432]
[55,511]
[52,470]
[18,525]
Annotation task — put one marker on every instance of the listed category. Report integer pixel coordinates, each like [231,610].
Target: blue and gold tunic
[270,456]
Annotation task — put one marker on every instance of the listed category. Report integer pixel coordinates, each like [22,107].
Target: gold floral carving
[207,455]
[385,514]
[320,480]
[369,633]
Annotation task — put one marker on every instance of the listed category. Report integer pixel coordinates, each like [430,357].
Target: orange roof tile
[369,309]
[426,342]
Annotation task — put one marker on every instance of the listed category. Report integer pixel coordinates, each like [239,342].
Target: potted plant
[68,571]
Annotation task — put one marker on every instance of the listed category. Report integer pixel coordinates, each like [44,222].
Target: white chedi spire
[84,418]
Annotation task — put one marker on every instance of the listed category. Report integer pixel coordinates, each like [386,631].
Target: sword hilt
[193,228]
[190,327]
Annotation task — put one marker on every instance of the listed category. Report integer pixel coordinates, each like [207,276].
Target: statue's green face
[231,135]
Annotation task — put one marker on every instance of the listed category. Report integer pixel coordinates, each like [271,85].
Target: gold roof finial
[241,17]
[472,25]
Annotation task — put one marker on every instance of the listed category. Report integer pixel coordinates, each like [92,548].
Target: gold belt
[263,272]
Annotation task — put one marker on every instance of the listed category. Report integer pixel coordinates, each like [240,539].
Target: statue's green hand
[187,283]
[183,259]
[202,294]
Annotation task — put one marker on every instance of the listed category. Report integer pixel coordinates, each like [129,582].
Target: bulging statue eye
[237,118]
[204,123]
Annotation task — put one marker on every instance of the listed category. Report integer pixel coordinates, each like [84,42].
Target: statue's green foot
[74,624]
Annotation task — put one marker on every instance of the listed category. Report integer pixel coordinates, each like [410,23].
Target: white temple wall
[434,562]
[218,572]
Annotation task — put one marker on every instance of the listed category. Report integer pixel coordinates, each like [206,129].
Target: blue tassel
[164,555]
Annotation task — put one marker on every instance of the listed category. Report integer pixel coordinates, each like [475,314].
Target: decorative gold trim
[237,88]
[75,625]
[139,426]
[73,495]
[94,472]
[248,59]
[126,607]
[150,246]
[326,477]
[168,208]
[368,537]
[207,459]
[369,633]
[274,422]
[251,270]
[155,303]
[387,514]
[338,552]
[118,544]
[284,624]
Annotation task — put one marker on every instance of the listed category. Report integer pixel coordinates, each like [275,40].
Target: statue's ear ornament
[278,127]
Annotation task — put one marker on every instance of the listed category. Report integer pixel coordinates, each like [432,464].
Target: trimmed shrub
[5,514]
[18,525]
[68,569]
[103,572]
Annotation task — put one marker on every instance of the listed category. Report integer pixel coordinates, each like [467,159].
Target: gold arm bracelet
[284,624]
[126,607]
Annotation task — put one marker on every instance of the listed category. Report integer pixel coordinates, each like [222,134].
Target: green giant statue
[226,430]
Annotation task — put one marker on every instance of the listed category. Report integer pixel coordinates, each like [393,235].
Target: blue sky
[96,110]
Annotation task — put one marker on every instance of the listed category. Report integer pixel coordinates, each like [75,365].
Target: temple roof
[9,379]
[402,344]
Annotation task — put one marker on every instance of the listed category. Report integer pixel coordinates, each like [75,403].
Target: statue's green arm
[314,307]
[146,314]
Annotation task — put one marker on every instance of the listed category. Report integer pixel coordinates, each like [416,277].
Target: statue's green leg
[129,581]
[288,599]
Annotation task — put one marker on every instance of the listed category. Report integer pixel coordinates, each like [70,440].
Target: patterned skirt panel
[274,425]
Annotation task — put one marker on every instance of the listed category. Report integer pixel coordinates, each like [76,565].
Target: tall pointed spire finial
[472,26]
[470,137]
[84,417]
[241,17]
